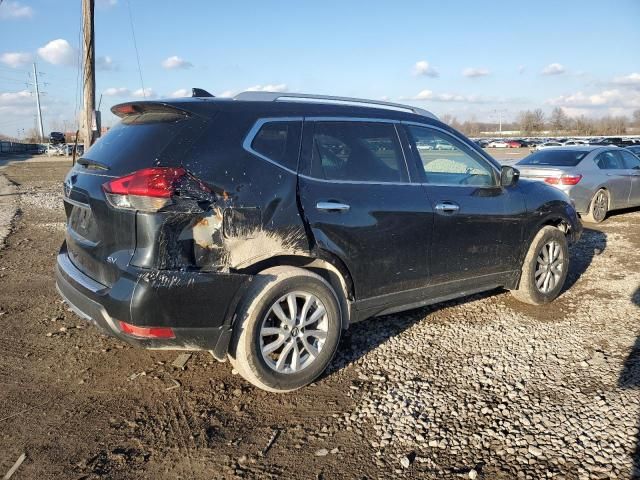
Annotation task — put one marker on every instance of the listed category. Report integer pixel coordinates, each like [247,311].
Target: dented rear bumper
[197,306]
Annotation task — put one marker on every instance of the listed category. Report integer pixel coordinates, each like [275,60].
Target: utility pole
[37,87]
[90,123]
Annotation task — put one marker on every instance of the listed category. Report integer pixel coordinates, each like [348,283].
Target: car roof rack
[310,98]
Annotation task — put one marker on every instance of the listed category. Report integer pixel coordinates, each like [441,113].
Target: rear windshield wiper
[87,163]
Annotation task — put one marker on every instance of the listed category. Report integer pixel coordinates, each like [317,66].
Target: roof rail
[310,98]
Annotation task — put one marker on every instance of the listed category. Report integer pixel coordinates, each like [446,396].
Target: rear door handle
[447,207]
[332,206]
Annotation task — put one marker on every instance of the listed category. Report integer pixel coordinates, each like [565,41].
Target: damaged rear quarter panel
[250,215]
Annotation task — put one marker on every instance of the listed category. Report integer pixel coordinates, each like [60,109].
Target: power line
[135,45]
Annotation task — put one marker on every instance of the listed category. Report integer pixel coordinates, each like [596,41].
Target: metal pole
[35,80]
[89,74]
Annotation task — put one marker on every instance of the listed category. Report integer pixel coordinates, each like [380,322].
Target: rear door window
[357,151]
[279,142]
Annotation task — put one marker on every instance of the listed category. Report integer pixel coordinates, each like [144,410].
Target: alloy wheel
[293,332]
[549,265]
[600,206]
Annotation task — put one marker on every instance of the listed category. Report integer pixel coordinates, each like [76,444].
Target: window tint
[630,160]
[357,151]
[609,161]
[449,162]
[560,158]
[278,141]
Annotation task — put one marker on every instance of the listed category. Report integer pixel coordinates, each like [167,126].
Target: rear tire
[598,208]
[275,350]
[544,269]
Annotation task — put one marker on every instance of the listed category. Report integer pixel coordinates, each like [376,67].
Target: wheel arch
[326,265]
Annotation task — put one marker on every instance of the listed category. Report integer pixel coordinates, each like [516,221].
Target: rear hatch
[101,239]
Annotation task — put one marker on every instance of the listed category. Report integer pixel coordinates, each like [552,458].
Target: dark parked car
[260,227]
[56,138]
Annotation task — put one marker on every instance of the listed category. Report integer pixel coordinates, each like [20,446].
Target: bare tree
[559,120]
[531,121]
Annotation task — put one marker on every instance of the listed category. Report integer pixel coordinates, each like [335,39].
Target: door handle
[447,207]
[332,206]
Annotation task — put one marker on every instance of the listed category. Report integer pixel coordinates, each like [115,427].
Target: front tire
[287,329]
[598,208]
[545,268]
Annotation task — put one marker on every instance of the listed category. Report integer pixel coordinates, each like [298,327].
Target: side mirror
[508,176]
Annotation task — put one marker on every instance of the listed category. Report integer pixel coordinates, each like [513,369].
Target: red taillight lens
[148,189]
[149,182]
[564,180]
[146,332]
[570,179]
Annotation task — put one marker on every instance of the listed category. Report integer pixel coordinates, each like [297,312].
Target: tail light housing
[148,190]
[566,179]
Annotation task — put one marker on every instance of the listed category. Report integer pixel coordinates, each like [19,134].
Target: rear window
[139,141]
[556,158]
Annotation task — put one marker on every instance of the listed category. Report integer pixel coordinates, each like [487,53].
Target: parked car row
[541,143]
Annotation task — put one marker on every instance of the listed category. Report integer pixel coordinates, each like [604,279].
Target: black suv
[56,138]
[260,227]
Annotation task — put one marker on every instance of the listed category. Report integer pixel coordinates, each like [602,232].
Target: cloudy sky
[465,58]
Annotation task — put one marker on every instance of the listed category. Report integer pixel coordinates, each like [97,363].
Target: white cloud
[613,98]
[9,99]
[227,94]
[280,87]
[475,72]
[117,92]
[146,93]
[521,69]
[631,79]
[16,59]
[176,62]
[447,97]
[105,64]
[181,92]
[422,68]
[58,52]
[553,69]
[10,9]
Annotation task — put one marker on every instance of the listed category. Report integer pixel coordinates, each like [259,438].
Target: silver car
[598,179]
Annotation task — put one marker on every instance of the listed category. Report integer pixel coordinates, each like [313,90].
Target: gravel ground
[484,387]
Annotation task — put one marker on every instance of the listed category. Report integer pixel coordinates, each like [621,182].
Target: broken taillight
[146,332]
[149,189]
[564,180]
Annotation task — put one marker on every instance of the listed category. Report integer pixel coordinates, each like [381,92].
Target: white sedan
[498,144]
[546,145]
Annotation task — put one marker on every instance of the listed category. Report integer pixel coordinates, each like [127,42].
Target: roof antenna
[199,92]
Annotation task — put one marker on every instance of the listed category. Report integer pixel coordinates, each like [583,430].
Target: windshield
[558,158]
